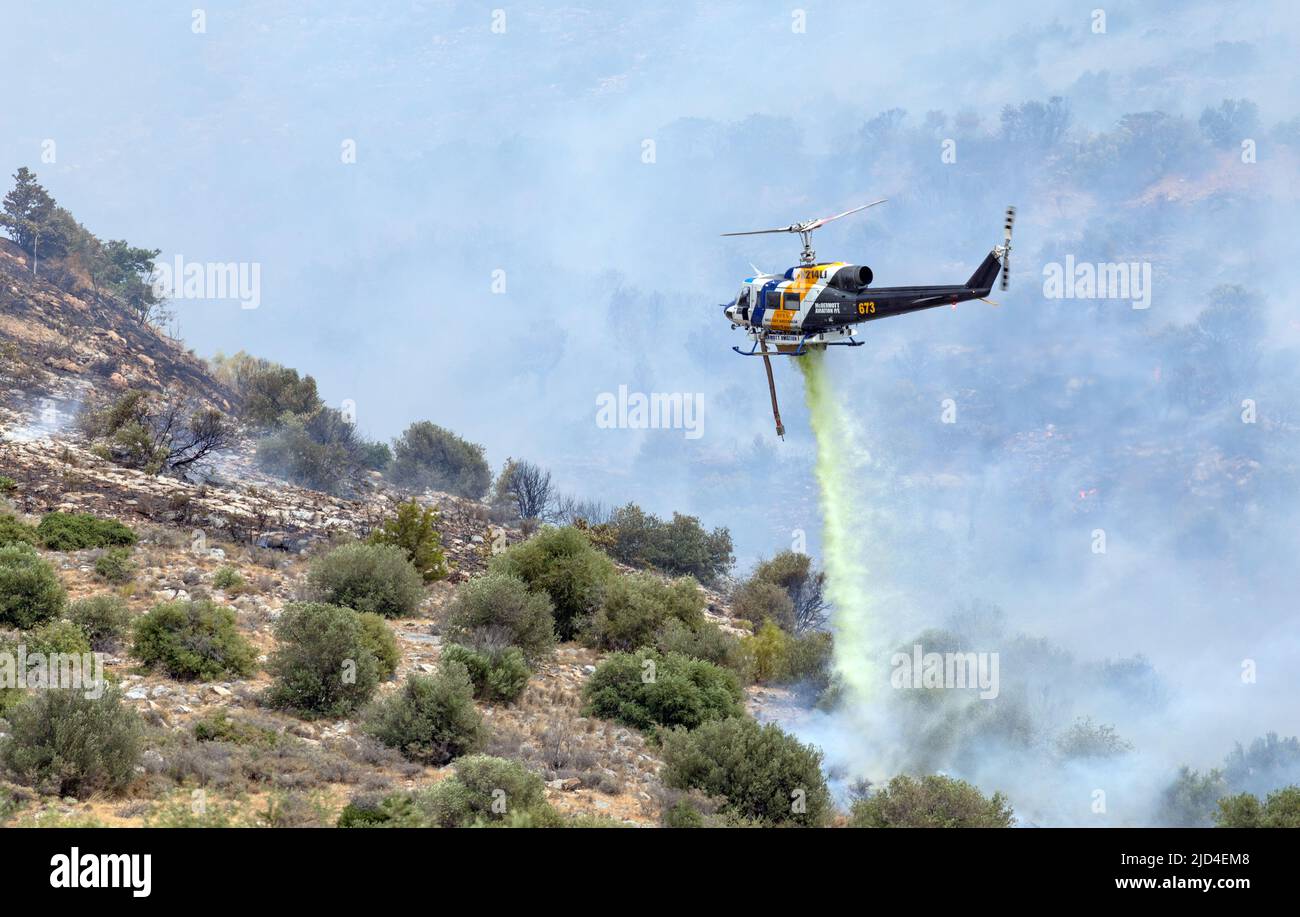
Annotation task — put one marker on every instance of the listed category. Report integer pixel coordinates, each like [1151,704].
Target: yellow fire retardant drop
[846,536]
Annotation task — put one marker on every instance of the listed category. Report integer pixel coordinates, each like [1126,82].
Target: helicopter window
[776,299]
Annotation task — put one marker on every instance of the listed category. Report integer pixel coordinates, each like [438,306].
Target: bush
[77,531]
[227,579]
[219,727]
[562,563]
[14,530]
[933,801]
[1280,810]
[646,689]
[778,658]
[396,810]
[7,484]
[378,638]
[680,548]
[115,565]
[266,390]
[321,451]
[635,607]
[488,791]
[765,775]
[499,673]
[431,718]
[1087,738]
[707,641]
[326,660]
[760,601]
[30,591]
[57,637]
[192,640]
[792,572]
[102,618]
[427,457]
[413,530]
[498,609]
[367,577]
[62,742]
[168,431]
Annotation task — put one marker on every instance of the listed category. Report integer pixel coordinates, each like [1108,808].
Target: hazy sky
[522,151]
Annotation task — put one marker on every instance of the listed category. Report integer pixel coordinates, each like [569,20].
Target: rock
[219,690]
[137,694]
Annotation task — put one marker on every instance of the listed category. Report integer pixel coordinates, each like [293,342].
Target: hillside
[60,340]
[246,540]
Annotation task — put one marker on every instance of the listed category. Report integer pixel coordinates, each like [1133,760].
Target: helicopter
[815,305]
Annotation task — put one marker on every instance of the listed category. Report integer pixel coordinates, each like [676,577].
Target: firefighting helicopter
[816,305]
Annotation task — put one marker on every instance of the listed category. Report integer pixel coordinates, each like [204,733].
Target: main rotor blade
[759,232]
[824,220]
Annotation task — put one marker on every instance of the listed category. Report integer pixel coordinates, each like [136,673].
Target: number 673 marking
[866,308]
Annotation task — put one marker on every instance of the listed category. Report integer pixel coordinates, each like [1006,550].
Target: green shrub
[7,484]
[378,638]
[195,639]
[764,774]
[427,457]
[325,662]
[793,572]
[115,565]
[77,531]
[932,801]
[321,451]
[431,718]
[776,657]
[14,530]
[219,727]
[102,618]
[57,637]
[562,563]
[635,607]
[367,577]
[645,689]
[1280,810]
[499,673]
[414,530]
[227,579]
[62,742]
[488,791]
[395,810]
[497,608]
[266,390]
[706,641]
[30,591]
[760,601]
[679,548]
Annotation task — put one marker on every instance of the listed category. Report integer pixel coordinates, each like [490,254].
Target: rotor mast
[805,230]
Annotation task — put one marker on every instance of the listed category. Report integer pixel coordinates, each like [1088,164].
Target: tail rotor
[1006,246]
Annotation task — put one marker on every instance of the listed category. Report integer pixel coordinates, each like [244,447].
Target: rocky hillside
[267,531]
[245,539]
[60,340]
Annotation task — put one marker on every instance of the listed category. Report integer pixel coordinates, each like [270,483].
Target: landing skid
[802,343]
